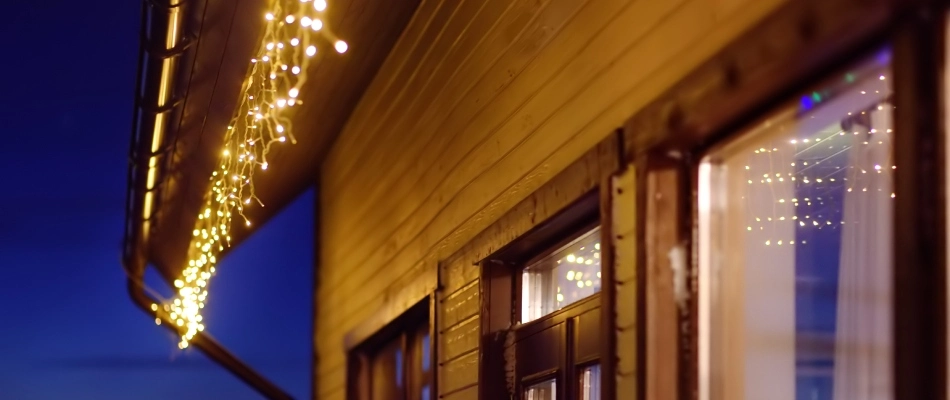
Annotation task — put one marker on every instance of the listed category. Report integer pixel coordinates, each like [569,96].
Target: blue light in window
[399,368]
[425,393]
[425,352]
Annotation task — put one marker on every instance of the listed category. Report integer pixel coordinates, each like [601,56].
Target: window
[546,390]
[795,249]
[590,383]
[396,363]
[561,278]
[544,295]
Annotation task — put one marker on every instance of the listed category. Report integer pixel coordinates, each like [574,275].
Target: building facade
[683,199]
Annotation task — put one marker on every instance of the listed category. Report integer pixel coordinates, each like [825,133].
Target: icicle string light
[275,78]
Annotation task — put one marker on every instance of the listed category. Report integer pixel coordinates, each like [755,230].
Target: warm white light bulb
[340,46]
[295,70]
[293,92]
[320,5]
[305,21]
[269,16]
[294,41]
[270,46]
[311,50]
[316,25]
[289,19]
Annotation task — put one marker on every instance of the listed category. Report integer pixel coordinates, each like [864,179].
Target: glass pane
[795,249]
[399,364]
[546,390]
[590,383]
[425,351]
[425,393]
[565,276]
[387,372]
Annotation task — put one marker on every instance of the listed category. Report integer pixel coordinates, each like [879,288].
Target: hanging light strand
[275,79]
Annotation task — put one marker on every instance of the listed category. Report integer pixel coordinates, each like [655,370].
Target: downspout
[161,49]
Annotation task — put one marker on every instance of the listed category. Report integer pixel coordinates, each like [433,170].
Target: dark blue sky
[67,326]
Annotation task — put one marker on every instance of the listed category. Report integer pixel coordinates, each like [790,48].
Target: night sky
[67,326]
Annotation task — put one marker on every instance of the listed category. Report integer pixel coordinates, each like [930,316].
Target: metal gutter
[162,47]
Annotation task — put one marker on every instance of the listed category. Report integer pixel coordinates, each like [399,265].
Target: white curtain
[863,351]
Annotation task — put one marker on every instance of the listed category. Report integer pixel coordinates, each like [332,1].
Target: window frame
[537,223]
[402,328]
[504,268]
[799,44]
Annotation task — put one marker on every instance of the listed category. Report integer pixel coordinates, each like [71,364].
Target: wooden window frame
[502,270]
[404,326]
[800,44]
[534,224]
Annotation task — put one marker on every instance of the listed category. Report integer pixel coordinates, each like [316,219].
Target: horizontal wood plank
[538,154]
[459,373]
[460,339]
[470,393]
[437,138]
[459,306]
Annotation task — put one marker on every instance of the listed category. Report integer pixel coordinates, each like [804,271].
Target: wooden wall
[479,104]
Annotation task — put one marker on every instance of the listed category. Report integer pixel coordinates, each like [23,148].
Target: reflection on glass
[425,353]
[387,379]
[425,393]
[546,390]
[590,383]
[561,278]
[399,367]
[795,250]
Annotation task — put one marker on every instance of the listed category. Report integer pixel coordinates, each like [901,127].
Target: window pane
[795,250]
[425,393]
[546,390]
[590,383]
[425,351]
[561,278]
[387,372]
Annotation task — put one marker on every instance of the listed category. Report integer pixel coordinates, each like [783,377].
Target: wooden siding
[623,210]
[479,104]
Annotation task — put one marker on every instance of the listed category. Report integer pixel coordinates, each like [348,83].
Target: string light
[842,183]
[273,83]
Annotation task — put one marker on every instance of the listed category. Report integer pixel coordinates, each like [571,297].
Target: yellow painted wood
[465,121]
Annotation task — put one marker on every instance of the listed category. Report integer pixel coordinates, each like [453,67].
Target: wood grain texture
[430,161]
[459,306]
[662,222]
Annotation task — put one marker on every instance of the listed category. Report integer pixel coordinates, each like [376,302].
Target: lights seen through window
[563,277]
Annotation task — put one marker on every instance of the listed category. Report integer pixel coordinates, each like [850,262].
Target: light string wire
[272,86]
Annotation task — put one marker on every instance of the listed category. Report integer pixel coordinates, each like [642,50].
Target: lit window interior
[546,390]
[565,276]
[796,249]
[590,382]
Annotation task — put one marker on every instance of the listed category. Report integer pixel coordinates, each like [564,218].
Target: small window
[561,278]
[590,382]
[546,390]
[396,363]
[796,249]
[544,312]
